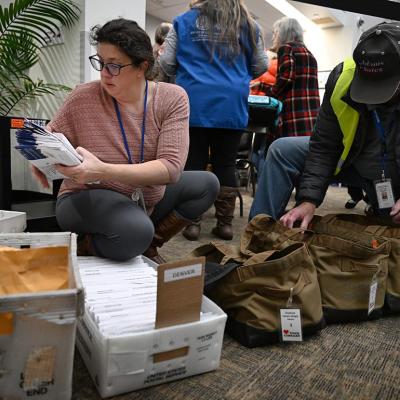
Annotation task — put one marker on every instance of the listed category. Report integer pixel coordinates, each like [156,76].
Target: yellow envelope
[33,270]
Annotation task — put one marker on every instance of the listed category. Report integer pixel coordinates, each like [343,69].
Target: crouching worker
[129,195]
[355,140]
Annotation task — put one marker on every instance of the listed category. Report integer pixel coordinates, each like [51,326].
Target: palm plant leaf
[18,52]
[38,18]
[16,94]
[26,25]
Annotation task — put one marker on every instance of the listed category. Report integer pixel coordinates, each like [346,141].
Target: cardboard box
[12,221]
[36,356]
[121,364]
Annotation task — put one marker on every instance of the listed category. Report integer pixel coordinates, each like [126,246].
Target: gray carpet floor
[343,362]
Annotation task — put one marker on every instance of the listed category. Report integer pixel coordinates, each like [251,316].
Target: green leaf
[25,26]
[18,52]
[12,96]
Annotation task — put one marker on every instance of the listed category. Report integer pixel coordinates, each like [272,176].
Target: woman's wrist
[106,172]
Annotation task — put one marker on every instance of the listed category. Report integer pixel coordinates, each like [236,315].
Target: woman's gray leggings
[120,229]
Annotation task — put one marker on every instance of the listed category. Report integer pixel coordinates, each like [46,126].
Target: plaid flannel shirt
[297,88]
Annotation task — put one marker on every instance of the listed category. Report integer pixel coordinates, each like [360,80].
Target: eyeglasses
[112,69]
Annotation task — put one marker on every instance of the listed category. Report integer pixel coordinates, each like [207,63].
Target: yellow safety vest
[347,116]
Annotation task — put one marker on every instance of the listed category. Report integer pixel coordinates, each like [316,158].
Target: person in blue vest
[215,49]
[356,138]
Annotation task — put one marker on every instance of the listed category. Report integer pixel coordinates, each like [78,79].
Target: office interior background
[331,35]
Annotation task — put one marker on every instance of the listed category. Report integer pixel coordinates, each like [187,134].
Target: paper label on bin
[170,355]
[190,271]
[39,368]
[179,292]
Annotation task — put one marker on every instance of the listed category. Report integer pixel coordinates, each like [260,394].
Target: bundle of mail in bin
[45,149]
[120,296]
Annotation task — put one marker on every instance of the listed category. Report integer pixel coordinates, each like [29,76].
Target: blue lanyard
[121,125]
[382,137]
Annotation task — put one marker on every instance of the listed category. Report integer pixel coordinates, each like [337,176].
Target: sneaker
[350,204]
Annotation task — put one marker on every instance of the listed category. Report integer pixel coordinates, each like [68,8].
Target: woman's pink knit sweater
[88,119]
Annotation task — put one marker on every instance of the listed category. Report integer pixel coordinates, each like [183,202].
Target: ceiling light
[292,12]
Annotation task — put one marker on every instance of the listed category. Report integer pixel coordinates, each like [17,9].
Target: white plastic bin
[36,358]
[125,363]
[12,221]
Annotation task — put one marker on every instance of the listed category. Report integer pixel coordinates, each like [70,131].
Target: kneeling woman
[133,137]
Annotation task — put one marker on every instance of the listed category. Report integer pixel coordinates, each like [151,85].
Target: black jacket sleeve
[326,147]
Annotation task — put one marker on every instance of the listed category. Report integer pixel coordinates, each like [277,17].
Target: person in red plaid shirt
[297,81]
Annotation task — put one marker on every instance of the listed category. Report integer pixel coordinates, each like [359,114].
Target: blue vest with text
[217,88]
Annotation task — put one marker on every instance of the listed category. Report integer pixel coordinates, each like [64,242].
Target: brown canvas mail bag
[346,264]
[347,267]
[253,294]
[378,227]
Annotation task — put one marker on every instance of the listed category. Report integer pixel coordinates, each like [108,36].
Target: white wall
[331,46]
[339,43]
[68,63]
[60,63]
[101,11]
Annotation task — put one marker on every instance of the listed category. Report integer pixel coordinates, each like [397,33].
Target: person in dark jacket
[296,83]
[356,139]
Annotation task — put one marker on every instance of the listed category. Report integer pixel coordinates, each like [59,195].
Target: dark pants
[120,229]
[218,147]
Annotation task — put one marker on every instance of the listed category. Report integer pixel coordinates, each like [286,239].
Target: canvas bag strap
[347,267]
[286,292]
[246,271]
[220,252]
[375,230]
[254,266]
[290,234]
[260,223]
[327,219]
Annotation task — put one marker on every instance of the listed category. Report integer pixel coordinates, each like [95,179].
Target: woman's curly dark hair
[129,37]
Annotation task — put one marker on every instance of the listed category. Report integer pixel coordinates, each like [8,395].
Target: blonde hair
[225,21]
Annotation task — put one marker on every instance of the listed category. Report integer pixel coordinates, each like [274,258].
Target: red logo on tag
[286,331]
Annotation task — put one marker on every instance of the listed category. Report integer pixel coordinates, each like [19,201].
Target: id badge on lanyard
[137,195]
[384,192]
[383,186]
[138,199]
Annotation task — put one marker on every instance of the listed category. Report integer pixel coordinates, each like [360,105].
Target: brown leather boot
[192,231]
[84,245]
[224,209]
[152,253]
[167,228]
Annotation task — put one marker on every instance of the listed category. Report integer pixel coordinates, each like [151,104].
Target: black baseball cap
[377,58]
